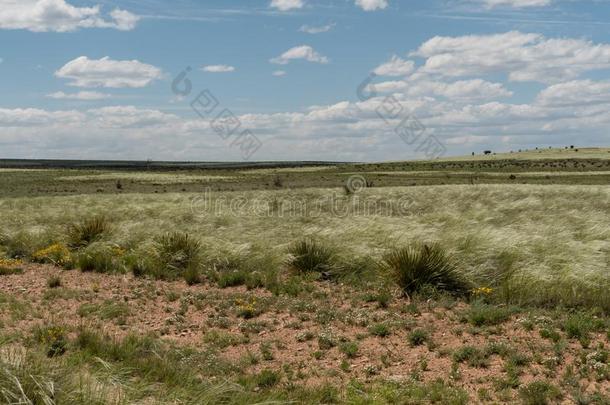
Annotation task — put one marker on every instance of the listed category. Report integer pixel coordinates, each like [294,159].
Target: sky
[333,80]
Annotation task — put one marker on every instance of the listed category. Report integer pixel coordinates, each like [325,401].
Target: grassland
[274,284]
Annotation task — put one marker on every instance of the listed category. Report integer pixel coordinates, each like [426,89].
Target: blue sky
[93,79]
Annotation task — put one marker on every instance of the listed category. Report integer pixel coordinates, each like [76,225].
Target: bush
[56,254]
[53,337]
[539,393]
[380,329]
[10,266]
[267,379]
[96,259]
[350,349]
[489,315]
[88,231]
[472,356]
[54,282]
[179,255]
[418,337]
[311,256]
[416,268]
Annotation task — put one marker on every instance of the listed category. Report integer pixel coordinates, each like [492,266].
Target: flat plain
[305,283]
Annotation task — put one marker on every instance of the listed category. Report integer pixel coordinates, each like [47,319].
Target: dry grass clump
[415,268]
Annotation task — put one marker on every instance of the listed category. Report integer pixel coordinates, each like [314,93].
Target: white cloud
[286,5]
[459,91]
[81,95]
[105,72]
[218,68]
[575,93]
[372,5]
[395,67]
[523,57]
[515,3]
[304,52]
[316,29]
[279,73]
[59,16]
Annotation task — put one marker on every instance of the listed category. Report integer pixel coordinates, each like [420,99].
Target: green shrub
[53,337]
[380,329]
[418,337]
[98,259]
[311,256]
[267,378]
[54,282]
[472,356]
[539,393]
[350,349]
[488,315]
[88,231]
[415,268]
[578,326]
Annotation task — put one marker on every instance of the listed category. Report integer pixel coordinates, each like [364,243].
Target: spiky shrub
[179,255]
[88,231]
[309,256]
[419,267]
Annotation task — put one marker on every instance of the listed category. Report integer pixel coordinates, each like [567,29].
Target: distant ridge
[151,165]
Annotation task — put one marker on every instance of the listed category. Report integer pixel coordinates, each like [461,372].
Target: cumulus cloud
[286,5]
[218,69]
[316,29]
[105,72]
[458,91]
[279,73]
[372,5]
[304,52]
[575,93]
[60,16]
[395,67]
[515,3]
[81,95]
[523,57]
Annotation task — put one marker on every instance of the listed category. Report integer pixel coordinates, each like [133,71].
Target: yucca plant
[88,231]
[179,254]
[419,267]
[309,256]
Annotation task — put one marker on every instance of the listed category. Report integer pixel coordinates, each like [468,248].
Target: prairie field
[467,280]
